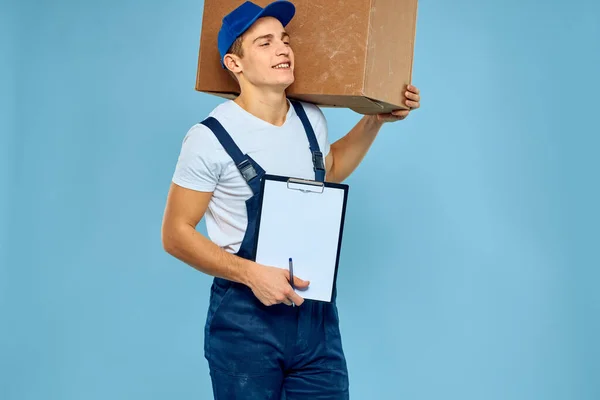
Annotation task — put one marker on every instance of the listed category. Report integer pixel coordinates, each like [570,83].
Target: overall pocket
[218,295]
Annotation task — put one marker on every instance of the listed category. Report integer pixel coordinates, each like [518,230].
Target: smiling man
[257,346]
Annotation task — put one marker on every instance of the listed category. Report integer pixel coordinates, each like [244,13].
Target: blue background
[470,263]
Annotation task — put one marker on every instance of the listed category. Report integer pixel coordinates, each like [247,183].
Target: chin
[284,83]
[290,81]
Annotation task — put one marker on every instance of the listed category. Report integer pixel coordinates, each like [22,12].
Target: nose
[283,49]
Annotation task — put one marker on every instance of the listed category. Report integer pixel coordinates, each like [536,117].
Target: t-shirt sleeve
[197,166]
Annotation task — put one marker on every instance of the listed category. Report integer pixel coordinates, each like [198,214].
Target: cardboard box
[356,54]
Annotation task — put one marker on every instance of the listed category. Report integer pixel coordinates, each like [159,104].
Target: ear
[232,63]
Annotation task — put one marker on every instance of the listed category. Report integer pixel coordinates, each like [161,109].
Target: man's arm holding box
[348,152]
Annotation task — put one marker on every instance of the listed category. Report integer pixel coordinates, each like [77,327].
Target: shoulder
[202,134]
[313,112]
[199,138]
[225,109]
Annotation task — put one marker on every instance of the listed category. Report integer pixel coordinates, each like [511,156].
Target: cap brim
[284,11]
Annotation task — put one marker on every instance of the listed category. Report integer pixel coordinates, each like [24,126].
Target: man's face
[268,58]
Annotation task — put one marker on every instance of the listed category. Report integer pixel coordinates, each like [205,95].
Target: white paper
[304,226]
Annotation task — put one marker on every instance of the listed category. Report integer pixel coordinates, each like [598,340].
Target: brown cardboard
[356,54]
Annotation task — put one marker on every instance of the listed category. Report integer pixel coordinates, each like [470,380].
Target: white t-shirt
[204,165]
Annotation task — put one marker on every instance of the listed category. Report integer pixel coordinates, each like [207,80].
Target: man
[256,344]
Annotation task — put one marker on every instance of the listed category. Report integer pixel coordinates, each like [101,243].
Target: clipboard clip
[305,185]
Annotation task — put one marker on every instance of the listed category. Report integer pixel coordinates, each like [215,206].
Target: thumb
[301,283]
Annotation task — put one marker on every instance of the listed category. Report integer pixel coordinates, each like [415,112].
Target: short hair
[236,47]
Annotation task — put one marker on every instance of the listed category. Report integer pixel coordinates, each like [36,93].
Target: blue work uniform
[258,352]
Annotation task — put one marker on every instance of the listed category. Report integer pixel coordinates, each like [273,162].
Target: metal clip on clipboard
[309,185]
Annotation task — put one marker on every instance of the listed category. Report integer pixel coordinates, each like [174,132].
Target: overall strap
[317,155]
[244,163]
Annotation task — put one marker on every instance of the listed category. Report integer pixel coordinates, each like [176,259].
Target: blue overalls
[258,352]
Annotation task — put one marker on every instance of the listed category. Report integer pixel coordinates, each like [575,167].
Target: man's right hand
[271,285]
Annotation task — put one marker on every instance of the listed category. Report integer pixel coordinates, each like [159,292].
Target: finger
[285,297]
[412,96]
[412,104]
[300,283]
[400,113]
[413,89]
[298,300]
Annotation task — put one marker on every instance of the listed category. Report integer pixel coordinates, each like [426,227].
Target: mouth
[284,65]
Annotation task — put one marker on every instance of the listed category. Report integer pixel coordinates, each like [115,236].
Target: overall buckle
[247,170]
[318,161]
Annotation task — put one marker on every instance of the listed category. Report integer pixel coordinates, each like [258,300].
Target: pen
[292,278]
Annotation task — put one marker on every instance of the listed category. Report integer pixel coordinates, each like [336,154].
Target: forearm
[349,151]
[190,246]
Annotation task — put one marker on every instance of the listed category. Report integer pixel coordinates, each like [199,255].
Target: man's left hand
[412,102]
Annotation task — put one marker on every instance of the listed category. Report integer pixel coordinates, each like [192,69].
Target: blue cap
[239,20]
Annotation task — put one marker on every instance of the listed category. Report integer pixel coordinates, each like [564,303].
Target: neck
[270,106]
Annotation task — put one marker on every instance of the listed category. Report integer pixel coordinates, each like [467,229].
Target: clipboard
[303,220]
